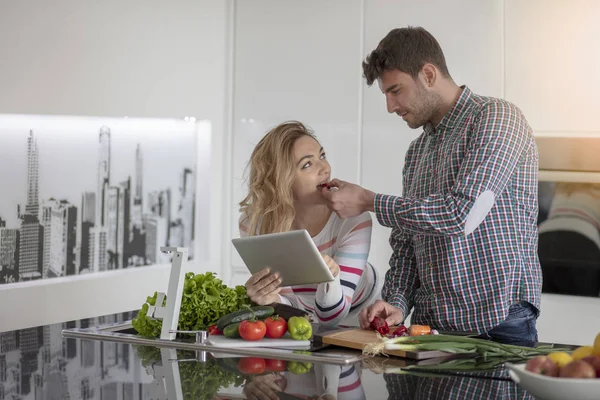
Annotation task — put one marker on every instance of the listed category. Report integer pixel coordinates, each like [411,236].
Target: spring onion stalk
[458,345]
[465,365]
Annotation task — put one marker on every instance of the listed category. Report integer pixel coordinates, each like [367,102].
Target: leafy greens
[205,299]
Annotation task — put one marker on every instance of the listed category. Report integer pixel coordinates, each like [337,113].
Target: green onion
[459,345]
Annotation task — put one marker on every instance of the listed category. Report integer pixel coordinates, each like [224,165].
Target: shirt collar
[456,111]
[453,115]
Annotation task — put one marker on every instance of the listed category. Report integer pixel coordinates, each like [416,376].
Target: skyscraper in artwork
[85,224]
[100,230]
[31,233]
[137,233]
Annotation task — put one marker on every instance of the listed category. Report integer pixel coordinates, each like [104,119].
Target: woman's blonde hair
[269,205]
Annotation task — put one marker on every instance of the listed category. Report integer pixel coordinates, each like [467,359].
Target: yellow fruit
[582,352]
[597,345]
[560,358]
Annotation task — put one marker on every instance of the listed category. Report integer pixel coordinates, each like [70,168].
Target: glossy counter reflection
[40,364]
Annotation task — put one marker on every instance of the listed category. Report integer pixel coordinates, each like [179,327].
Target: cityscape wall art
[84,195]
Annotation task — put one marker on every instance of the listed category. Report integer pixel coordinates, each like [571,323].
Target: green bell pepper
[299,368]
[300,328]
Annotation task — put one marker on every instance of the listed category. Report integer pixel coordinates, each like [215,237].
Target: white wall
[322,84]
[113,58]
[302,68]
[552,64]
[284,69]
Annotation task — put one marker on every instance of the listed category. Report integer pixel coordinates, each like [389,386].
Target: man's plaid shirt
[457,281]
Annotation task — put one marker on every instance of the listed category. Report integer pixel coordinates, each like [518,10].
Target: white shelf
[568,176]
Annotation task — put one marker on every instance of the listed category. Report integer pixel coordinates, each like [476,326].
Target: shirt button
[431,265]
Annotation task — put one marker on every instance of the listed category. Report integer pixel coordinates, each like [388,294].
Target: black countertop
[40,364]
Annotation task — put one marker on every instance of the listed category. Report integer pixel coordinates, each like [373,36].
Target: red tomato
[275,365]
[276,327]
[252,365]
[252,330]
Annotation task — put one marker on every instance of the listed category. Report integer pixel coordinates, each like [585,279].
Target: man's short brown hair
[406,50]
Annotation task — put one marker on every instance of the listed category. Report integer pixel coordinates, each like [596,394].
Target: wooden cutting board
[359,338]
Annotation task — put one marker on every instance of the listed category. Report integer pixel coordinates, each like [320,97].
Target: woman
[288,169]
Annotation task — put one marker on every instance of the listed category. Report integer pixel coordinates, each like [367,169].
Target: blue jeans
[519,328]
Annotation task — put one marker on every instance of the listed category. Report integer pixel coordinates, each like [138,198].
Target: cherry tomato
[380,325]
[252,365]
[252,330]
[275,365]
[398,331]
[276,327]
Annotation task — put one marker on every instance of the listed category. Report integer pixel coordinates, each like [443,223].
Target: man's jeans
[519,328]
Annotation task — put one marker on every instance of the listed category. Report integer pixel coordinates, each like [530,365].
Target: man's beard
[428,105]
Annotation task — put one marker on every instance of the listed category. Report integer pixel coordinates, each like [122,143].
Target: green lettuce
[205,299]
[199,381]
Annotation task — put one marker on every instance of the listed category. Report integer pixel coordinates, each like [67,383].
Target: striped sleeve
[334,299]
[283,298]
[350,385]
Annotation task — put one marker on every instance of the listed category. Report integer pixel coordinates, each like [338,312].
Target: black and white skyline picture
[82,195]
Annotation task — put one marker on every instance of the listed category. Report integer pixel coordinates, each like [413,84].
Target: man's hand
[380,308]
[334,268]
[263,287]
[348,200]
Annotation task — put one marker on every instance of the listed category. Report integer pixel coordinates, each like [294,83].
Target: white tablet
[292,254]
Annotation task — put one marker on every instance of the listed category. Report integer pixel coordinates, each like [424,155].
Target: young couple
[464,232]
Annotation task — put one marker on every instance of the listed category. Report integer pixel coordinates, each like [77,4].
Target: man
[464,233]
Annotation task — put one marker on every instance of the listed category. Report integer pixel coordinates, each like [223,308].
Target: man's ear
[430,74]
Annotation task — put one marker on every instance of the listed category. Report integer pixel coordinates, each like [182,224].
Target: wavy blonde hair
[269,205]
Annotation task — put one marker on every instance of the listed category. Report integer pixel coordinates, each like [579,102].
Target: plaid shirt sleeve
[496,146]
[401,280]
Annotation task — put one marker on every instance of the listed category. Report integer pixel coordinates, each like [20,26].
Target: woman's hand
[331,264]
[263,287]
[264,387]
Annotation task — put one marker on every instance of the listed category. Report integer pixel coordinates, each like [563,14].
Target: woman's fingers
[270,288]
[257,285]
[272,297]
[267,284]
[258,276]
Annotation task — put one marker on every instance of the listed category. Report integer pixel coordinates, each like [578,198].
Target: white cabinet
[295,60]
[552,63]
[303,61]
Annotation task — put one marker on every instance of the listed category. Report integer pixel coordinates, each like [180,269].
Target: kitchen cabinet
[552,63]
[294,61]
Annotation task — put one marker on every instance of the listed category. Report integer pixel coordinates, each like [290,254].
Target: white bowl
[548,388]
